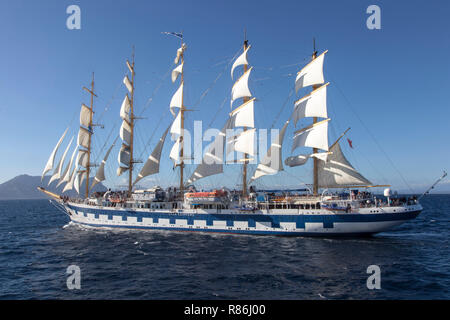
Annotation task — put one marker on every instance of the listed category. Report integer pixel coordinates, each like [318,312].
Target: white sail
[243,142]
[125,109]
[100,175]
[177,99]
[243,116]
[125,132]
[175,128]
[58,170]
[180,51]
[51,160]
[240,88]
[85,115]
[128,84]
[65,177]
[302,159]
[151,166]
[175,151]
[314,136]
[121,170]
[337,172]
[83,137]
[124,155]
[311,74]
[312,105]
[212,162]
[242,60]
[176,72]
[272,163]
[82,158]
[79,177]
[70,183]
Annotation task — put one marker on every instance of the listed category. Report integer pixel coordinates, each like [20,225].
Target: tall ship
[338,202]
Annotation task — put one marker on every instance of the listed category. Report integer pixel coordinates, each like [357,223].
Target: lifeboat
[215,196]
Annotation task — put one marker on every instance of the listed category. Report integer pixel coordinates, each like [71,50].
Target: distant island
[25,187]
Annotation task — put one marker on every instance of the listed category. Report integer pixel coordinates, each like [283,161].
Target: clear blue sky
[396,80]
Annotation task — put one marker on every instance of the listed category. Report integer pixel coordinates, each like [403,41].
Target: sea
[40,249]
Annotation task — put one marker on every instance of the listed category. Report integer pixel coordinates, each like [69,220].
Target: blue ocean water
[37,244]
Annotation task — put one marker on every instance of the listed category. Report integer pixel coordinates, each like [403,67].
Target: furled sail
[100,175]
[314,136]
[312,105]
[124,155]
[175,151]
[240,88]
[65,177]
[272,163]
[311,74]
[58,170]
[337,172]
[151,166]
[79,177]
[125,132]
[242,60]
[51,160]
[243,142]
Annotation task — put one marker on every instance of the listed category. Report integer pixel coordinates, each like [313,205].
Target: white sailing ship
[312,211]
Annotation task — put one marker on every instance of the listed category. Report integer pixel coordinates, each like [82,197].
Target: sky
[390,85]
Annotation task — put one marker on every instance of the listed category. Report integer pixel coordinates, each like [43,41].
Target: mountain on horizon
[25,187]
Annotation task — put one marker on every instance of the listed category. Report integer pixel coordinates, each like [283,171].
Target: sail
[100,175]
[243,116]
[58,170]
[314,136]
[128,84]
[176,72]
[272,162]
[243,142]
[212,162]
[241,60]
[301,159]
[124,155]
[151,166]
[337,172]
[311,74]
[51,160]
[175,151]
[125,109]
[175,128]
[312,105]
[79,177]
[70,183]
[65,177]
[85,115]
[125,132]
[83,137]
[177,99]
[240,88]
[82,158]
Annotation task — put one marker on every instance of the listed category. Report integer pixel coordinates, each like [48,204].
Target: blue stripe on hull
[249,232]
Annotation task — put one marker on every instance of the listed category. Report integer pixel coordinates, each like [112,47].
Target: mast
[90,127]
[315,150]
[244,165]
[130,177]
[182,125]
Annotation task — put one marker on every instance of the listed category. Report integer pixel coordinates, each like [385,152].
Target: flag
[350,143]
[178,35]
